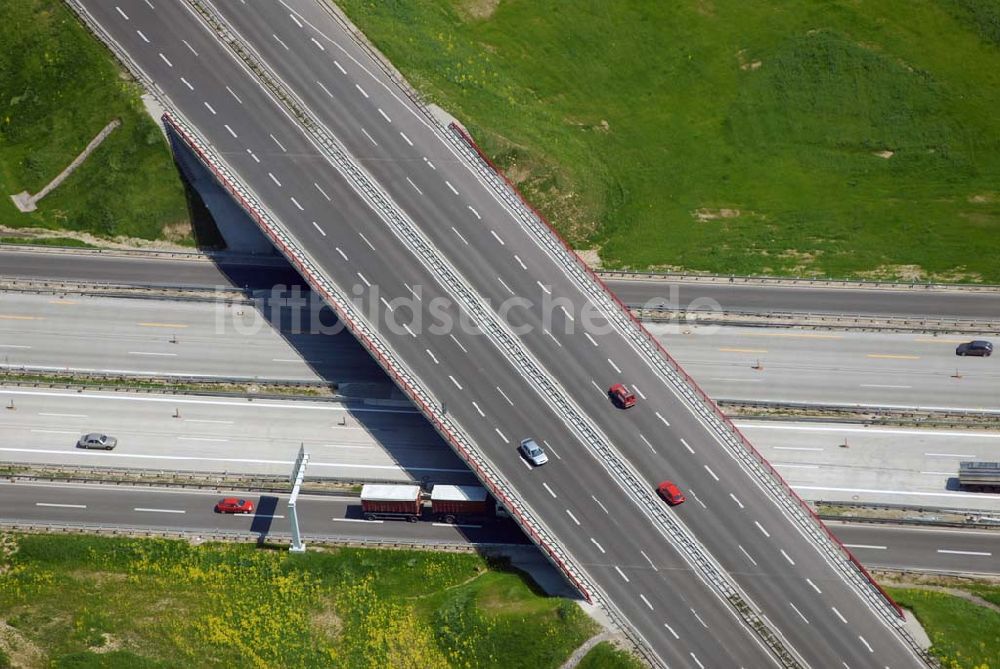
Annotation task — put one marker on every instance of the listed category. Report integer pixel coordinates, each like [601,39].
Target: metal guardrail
[515,351]
[992,414]
[201,255]
[914,412]
[804,282]
[136,290]
[464,446]
[813,320]
[373,343]
[738,444]
[185,478]
[172,378]
[279,538]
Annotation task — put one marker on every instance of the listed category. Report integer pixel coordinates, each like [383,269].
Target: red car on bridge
[621,396]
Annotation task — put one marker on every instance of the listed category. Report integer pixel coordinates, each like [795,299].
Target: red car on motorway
[621,396]
[670,493]
[234,505]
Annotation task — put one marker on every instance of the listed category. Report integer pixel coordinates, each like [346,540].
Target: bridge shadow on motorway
[374,404]
[283,300]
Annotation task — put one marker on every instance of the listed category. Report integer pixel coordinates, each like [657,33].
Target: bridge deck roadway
[585,509]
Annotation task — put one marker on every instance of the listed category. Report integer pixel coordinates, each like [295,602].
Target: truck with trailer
[404,502]
[448,503]
[457,503]
[984,476]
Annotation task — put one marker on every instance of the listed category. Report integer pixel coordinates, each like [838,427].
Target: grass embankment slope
[734,136]
[80,601]
[606,656]
[964,634]
[58,87]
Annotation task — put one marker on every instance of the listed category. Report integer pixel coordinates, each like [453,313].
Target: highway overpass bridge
[497,332]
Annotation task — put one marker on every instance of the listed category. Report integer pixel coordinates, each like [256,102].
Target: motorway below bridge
[376,441]
[165,509]
[355,441]
[753,298]
[398,204]
[162,336]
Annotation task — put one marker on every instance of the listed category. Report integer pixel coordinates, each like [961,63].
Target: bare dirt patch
[601,126]
[327,623]
[916,273]
[958,275]
[590,256]
[984,198]
[111,643]
[745,63]
[176,232]
[477,10]
[900,272]
[703,215]
[884,154]
[804,260]
[952,585]
[101,242]
[20,650]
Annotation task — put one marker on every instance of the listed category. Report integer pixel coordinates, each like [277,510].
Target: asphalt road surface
[171,337]
[754,299]
[884,369]
[226,271]
[379,441]
[474,240]
[191,510]
[876,465]
[356,441]
[886,546]
[277,342]
[764,299]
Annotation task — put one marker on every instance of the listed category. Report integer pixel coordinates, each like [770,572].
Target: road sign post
[298,474]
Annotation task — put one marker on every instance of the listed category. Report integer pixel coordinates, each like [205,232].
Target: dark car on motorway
[670,493]
[975,347]
[97,440]
[234,505]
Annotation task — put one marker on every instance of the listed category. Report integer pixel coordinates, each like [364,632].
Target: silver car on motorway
[532,452]
[97,440]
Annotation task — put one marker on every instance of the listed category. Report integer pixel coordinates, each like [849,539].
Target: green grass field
[83,601]
[58,88]
[606,656]
[964,635]
[825,137]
